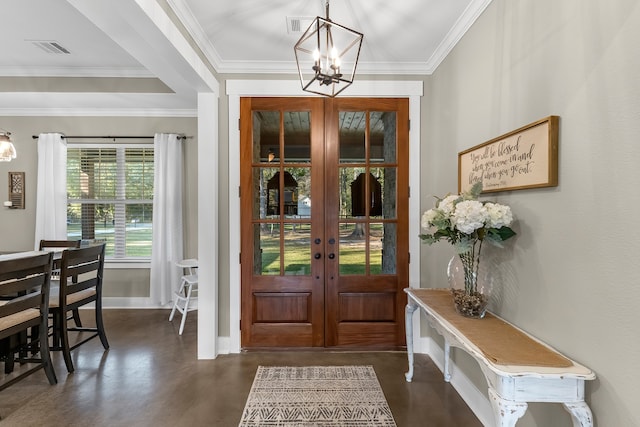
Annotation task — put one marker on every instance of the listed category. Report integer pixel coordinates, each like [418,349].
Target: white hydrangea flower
[427,218]
[469,216]
[498,215]
[447,205]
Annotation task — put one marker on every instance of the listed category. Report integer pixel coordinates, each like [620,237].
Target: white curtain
[167,217]
[51,192]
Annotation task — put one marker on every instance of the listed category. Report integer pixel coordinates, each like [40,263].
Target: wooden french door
[324,222]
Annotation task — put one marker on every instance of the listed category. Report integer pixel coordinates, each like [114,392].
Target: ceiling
[115,46]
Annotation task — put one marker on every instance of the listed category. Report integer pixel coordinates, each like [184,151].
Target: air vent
[50,46]
[297,24]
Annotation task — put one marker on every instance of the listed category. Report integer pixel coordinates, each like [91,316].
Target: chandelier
[7,150]
[327,56]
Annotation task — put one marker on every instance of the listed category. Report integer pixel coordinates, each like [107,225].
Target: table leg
[506,412]
[580,414]
[447,358]
[408,317]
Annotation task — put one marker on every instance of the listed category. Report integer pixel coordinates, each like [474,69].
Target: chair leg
[173,310]
[46,356]
[64,338]
[76,318]
[186,309]
[175,304]
[100,325]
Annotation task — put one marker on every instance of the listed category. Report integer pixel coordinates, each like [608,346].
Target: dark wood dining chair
[24,288]
[87,265]
[59,245]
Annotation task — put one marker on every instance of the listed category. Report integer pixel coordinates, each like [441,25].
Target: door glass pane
[385,185]
[297,249]
[352,247]
[266,136]
[382,128]
[266,190]
[350,207]
[297,192]
[266,256]
[297,137]
[382,248]
[352,125]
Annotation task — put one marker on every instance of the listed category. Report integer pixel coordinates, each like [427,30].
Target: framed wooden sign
[16,190]
[524,158]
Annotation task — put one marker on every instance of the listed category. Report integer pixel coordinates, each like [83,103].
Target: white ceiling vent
[50,46]
[298,24]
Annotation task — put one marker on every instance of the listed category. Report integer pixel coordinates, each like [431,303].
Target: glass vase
[471,282]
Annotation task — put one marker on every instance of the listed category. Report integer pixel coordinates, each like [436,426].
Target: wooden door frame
[235,89]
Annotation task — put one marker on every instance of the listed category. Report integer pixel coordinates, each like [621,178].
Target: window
[110,197]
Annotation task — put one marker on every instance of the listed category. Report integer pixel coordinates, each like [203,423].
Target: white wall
[570,277]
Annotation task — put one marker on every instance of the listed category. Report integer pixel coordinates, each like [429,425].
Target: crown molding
[95,112]
[461,26]
[38,71]
[459,29]
[194,29]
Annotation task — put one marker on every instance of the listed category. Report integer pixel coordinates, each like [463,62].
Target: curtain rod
[111,137]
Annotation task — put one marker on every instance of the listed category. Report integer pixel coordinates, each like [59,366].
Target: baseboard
[474,398]
[140,302]
[131,302]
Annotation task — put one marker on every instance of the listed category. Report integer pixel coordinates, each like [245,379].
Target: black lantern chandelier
[327,56]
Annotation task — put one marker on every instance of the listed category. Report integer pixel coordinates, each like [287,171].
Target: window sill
[126,263]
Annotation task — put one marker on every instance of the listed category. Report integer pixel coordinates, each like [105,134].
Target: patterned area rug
[318,396]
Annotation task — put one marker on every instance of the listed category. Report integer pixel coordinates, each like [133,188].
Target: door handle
[332,255]
[317,255]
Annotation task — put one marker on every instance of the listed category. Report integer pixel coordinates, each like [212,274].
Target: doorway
[324,222]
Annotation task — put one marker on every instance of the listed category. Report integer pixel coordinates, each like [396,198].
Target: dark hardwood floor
[151,377]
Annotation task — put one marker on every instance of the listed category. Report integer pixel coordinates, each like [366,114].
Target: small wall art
[16,190]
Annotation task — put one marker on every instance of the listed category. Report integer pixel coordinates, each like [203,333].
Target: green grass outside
[138,238]
[298,262]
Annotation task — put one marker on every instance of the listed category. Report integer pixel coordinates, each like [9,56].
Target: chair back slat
[81,286]
[76,269]
[57,244]
[22,303]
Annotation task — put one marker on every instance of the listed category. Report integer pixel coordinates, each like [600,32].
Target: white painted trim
[96,112]
[117,265]
[383,89]
[234,221]
[95,72]
[129,302]
[474,398]
[208,225]
[459,29]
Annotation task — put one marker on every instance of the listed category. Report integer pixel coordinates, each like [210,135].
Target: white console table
[518,368]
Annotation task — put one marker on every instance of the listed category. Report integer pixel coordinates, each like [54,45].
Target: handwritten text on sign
[521,159]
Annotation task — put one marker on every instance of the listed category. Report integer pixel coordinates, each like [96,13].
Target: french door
[324,222]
